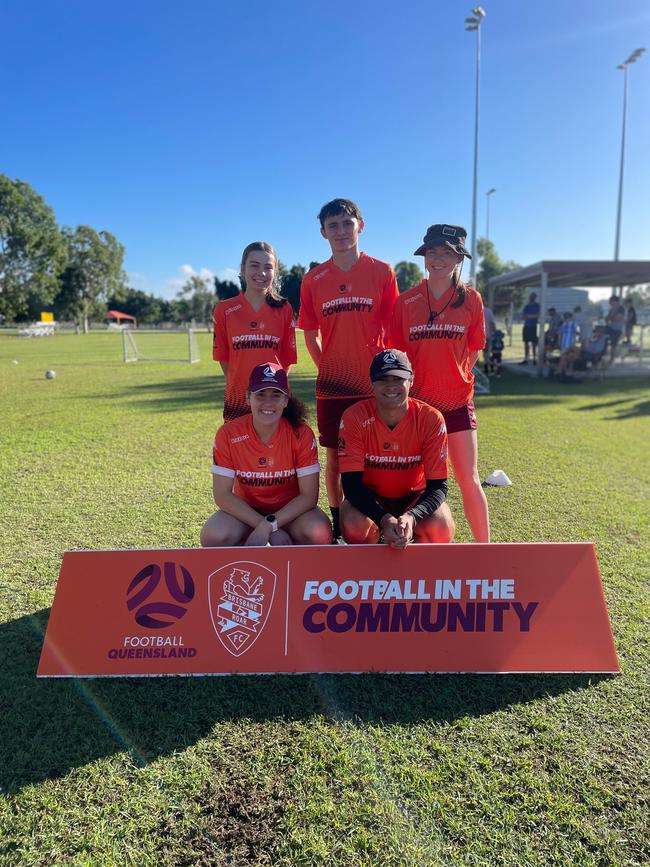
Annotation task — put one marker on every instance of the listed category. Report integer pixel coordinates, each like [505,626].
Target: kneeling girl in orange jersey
[266,472]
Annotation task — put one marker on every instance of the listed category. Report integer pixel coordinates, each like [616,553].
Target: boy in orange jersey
[393,459]
[345,306]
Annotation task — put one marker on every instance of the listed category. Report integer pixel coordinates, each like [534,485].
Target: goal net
[160,346]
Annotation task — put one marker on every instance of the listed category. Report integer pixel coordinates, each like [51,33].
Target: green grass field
[309,770]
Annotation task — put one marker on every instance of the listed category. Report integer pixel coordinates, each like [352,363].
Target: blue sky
[189,129]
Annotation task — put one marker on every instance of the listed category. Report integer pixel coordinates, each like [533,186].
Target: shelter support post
[543,292]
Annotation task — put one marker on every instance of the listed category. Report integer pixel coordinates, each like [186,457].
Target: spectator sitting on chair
[590,353]
[393,459]
[630,319]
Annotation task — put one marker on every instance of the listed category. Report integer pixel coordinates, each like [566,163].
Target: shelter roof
[577,273]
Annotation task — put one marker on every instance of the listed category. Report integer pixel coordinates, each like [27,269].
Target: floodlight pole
[474,22]
[624,66]
[617,242]
[487,218]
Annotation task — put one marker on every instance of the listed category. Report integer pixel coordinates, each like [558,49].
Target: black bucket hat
[444,235]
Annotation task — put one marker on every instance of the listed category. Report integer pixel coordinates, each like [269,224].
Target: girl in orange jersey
[266,471]
[440,324]
[254,327]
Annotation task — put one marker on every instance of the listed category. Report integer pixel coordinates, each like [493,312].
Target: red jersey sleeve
[306,453]
[222,462]
[307,317]
[220,348]
[351,447]
[434,444]
[476,330]
[287,349]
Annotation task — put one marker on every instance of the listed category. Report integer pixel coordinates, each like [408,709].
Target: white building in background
[566,299]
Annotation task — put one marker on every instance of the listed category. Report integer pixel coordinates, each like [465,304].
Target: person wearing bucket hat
[441,325]
[265,471]
[345,306]
[255,326]
[393,459]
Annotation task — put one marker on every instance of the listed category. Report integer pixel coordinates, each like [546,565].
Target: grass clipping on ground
[331,770]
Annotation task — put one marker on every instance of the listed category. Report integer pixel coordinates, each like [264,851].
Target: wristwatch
[273,522]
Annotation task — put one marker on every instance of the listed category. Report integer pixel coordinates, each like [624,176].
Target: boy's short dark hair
[339,206]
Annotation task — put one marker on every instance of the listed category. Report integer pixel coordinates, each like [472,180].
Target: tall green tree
[291,280]
[94,273]
[197,299]
[32,250]
[490,266]
[225,289]
[408,274]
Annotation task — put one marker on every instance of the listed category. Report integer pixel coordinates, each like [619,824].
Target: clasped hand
[398,532]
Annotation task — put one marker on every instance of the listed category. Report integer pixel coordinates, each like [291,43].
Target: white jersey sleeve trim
[223,471]
[307,471]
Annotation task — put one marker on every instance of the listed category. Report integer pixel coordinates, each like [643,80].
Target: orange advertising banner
[429,608]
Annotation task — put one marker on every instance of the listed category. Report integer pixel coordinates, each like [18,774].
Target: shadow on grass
[50,727]
[207,392]
[200,392]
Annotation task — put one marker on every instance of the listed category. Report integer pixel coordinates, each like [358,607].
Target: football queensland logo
[160,612]
[240,596]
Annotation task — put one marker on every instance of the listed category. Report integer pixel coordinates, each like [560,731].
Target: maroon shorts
[463,418]
[328,415]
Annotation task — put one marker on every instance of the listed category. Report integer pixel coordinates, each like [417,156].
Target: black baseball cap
[444,235]
[390,362]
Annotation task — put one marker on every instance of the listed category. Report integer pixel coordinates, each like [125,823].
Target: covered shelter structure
[578,273]
[120,318]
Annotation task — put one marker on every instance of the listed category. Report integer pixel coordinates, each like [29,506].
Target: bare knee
[359,531]
[217,534]
[439,528]
[317,530]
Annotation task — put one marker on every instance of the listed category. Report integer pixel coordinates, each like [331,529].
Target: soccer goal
[160,346]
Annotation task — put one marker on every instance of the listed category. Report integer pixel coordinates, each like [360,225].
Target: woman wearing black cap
[265,472]
[440,324]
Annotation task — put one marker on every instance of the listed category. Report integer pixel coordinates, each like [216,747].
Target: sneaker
[523,362]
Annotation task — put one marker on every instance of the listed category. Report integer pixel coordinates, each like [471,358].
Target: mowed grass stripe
[309,770]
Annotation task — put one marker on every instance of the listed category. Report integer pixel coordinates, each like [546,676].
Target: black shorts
[529,334]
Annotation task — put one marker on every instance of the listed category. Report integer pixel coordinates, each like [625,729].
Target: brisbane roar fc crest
[240,596]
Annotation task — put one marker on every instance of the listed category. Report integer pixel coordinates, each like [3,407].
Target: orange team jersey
[439,351]
[397,462]
[244,337]
[351,309]
[265,474]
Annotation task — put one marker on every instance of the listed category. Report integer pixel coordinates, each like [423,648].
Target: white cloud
[175,283]
[231,274]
